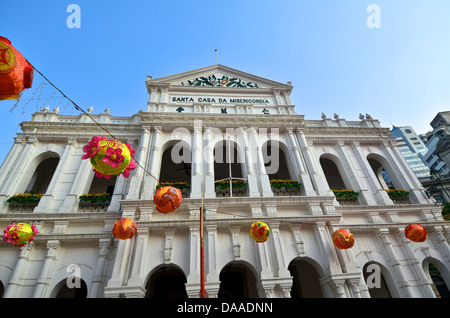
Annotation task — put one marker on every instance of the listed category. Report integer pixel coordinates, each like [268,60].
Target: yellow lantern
[109,157]
[20,234]
[259,231]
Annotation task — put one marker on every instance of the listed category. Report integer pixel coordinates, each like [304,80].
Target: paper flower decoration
[416,233]
[343,239]
[124,229]
[167,199]
[259,231]
[109,157]
[20,234]
[16,73]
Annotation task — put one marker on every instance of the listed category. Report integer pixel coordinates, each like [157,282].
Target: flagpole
[202,252]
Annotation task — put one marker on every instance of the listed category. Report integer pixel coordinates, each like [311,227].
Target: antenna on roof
[217,61]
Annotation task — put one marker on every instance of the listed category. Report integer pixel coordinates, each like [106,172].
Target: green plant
[345,193]
[397,193]
[25,198]
[96,198]
[236,184]
[285,183]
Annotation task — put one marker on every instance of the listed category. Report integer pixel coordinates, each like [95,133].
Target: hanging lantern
[167,199]
[109,157]
[124,229]
[343,239]
[259,231]
[416,233]
[16,73]
[20,234]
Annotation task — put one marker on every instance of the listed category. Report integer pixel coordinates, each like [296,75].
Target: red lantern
[343,239]
[167,199]
[124,229]
[416,233]
[16,73]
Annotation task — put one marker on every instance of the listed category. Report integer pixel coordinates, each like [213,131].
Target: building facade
[202,130]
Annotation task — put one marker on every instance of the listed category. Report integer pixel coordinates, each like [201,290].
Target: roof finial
[217,61]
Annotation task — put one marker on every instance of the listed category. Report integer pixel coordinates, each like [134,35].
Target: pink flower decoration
[132,151]
[100,175]
[113,157]
[92,147]
[131,166]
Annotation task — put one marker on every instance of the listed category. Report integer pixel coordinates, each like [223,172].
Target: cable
[87,114]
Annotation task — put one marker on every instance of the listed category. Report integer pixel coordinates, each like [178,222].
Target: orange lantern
[259,231]
[167,199]
[16,73]
[416,233]
[124,229]
[20,234]
[343,239]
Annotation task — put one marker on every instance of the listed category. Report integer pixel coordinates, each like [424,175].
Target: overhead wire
[77,107]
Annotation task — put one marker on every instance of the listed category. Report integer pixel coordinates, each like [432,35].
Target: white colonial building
[193,124]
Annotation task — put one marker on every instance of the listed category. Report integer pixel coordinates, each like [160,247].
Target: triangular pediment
[218,76]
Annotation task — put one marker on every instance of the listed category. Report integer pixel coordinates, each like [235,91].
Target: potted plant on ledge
[183,186]
[398,195]
[285,187]
[346,196]
[24,200]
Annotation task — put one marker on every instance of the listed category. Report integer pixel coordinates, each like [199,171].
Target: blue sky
[398,73]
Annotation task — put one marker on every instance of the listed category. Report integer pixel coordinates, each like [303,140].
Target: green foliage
[345,193]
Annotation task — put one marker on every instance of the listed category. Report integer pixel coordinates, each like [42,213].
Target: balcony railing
[95,202]
[184,187]
[238,188]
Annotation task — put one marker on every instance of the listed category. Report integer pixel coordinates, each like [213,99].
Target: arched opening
[305,280]
[332,174]
[237,281]
[176,166]
[438,276]
[381,174]
[2,289]
[66,292]
[227,164]
[42,176]
[280,170]
[374,277]
[167,281]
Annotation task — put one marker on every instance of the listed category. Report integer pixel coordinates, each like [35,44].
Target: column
[53,248]
[99,273]
[154,166]
[78,185]
[11,159]
[13,287]
[48,199]
[212,284]
[317,179]
[303,175]
[197,163]
[402,283]
[354,178]
[265,190]
[280,257]
[415,264]
[372,181]
[193,279]
[120,267]
[249,162]
[135,285]
[210,191]
[142,154]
